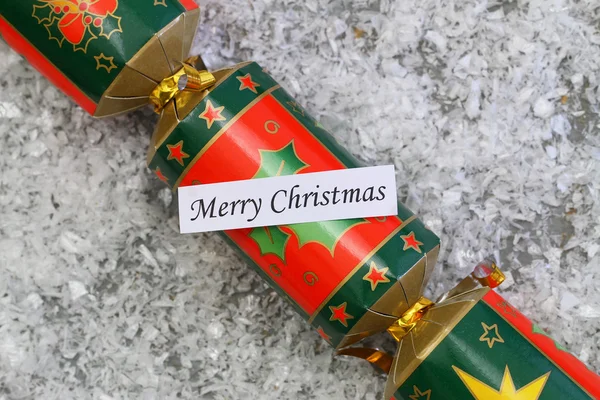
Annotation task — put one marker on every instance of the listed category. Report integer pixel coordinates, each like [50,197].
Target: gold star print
[160,3]
[418,395]
[486,335]
[481,391]
[296,107]
[105,62]
[375,276]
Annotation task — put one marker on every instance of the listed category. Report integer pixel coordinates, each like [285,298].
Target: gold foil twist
[486,275]
[398,330]
[187,78]
[409,319]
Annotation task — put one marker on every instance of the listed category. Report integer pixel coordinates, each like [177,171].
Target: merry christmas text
[283,200]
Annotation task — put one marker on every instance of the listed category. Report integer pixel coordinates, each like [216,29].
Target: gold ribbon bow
[188,78]
[425,324]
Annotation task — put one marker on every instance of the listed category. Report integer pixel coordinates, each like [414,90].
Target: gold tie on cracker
[422,327]
[187,78]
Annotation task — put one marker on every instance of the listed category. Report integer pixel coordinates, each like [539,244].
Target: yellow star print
[486,335]
[481,391]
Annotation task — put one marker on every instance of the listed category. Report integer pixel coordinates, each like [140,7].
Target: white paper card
[293,199]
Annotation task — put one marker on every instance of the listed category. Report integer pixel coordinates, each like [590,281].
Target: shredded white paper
[488,109]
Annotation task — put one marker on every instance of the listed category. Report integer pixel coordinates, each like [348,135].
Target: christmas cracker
[349,279]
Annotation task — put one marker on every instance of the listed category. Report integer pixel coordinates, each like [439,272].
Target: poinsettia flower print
[78,15]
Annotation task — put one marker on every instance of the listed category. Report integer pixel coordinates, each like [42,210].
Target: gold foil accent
[114,105]
[423,324]
[432,328]
[185,103]
[166,123]
[409,319]
[189,31]
[161,57]
[187,78]
[171,40]
[396,301]
[151,61]
[122,87]
[377,357]
[370,324]
[488,274]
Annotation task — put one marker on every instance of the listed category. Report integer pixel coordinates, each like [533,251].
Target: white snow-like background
[489,110]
